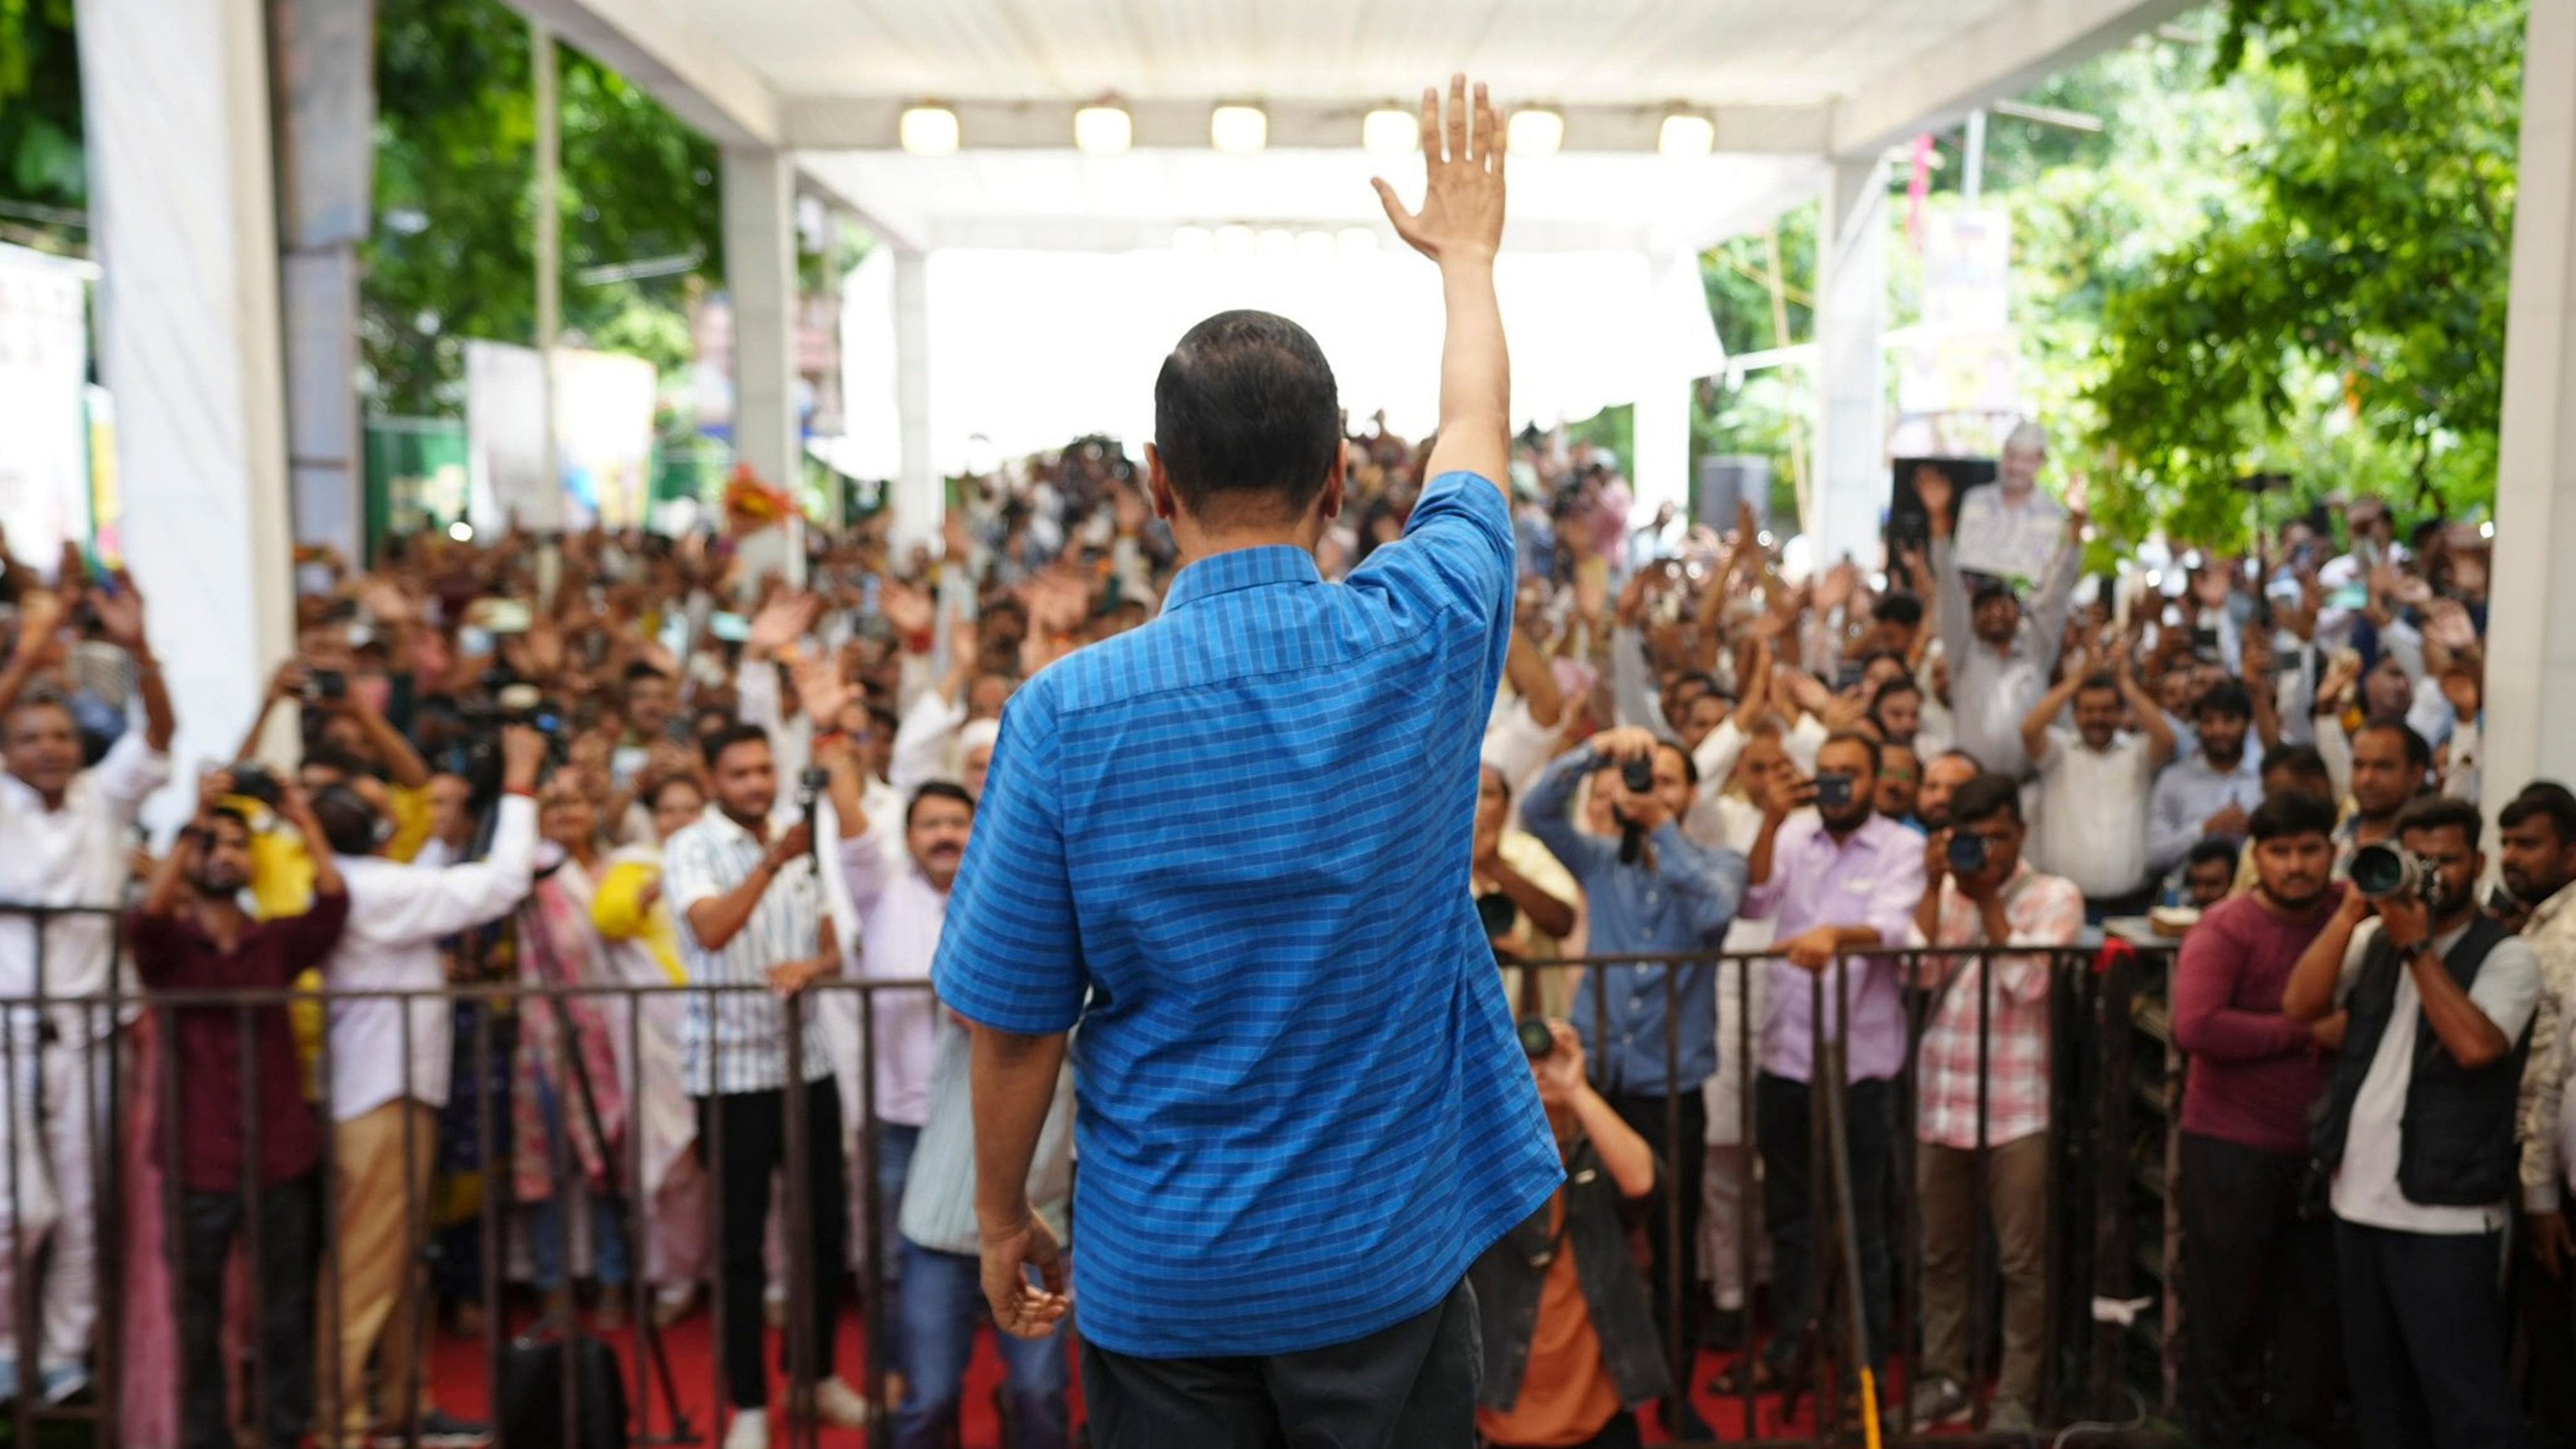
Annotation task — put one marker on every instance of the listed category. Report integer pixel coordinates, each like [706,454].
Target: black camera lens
[1833,789]
[1638,776]
[1536,1039]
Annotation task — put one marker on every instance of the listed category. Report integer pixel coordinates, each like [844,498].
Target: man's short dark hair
[655,790]
[1991,588]
[349,824]
[2297,762]
[2226,697]
[1955,753]
[2097,682]
[2418,752]
[731,735]
[1903,610]
[2440,812]
[1985,797]
[1246,408]
[644,669]
[1853,737]
[936,790]
[2285,813]
[2211,848]
[2543,797]
[1891,687]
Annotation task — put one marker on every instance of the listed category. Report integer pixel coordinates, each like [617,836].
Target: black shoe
[1721,1330]
[1682,1421]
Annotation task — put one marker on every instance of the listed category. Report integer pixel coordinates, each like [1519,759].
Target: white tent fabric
[1030,349]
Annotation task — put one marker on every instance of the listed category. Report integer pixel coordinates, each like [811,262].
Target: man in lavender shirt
[1840,878]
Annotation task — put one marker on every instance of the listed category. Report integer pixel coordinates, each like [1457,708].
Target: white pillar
[183,217]
[760,276]
[2531,616]
[920,503]
[1851,314]
[1660,473]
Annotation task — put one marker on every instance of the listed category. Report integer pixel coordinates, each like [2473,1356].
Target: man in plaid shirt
[1980,892]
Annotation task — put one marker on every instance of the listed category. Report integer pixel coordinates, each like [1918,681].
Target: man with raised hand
[1231,844]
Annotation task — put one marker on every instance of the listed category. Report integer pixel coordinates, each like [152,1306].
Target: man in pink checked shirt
[1839,877]
[1983,893]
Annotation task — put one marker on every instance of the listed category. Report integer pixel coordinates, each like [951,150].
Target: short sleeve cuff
[1001,1006]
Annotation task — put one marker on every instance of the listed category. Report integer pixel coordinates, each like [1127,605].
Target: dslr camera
[2384,872]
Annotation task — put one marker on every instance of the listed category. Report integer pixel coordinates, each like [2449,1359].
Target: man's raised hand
[1462,204]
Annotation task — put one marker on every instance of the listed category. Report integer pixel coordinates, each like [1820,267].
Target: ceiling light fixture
[928,131]
[1390,132]
[1536,132]
[1238,130]
[1103,129]
[1686,137]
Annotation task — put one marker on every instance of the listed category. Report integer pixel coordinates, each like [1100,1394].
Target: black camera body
[255,781]
[1834,789]
[1967,852]
[1638,775]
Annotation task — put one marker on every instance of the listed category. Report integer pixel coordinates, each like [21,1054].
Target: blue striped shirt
[1234,844]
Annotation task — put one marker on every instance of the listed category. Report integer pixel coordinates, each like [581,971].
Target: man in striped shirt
[751,909]
[1234,844]
[1983,1072]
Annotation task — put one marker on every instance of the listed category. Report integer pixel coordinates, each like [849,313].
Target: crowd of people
[575,760]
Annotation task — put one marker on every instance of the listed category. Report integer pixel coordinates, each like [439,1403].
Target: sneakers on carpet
[1937,1401]
[749,1430]
[2010,1416]
[839,1405]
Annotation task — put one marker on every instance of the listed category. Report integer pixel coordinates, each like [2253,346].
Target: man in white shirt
[388,1078]
[2101,779]
[2417,1129]
[66,836]
[902,902]
[1999,656]
[748,903]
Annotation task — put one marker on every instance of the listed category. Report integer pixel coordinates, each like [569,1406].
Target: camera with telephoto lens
[1967,852]
[1536,1039]
[2382,872]
[1638,775]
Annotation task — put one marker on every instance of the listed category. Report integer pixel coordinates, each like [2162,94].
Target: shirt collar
[2550,909]
[1241,568]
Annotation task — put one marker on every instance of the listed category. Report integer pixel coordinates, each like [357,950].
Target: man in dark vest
[2417,1132]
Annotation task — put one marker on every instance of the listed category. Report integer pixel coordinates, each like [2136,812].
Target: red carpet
[458,1372]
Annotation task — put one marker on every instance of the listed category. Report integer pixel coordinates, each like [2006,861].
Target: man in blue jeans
[941,1296]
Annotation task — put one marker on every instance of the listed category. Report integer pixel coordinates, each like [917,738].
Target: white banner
[44,428]
[603,408]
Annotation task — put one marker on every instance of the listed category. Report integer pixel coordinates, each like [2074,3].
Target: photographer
[383,1141]
[1569,1338]
[1984,1063]
[192,935]
[1837,878]
[2417,1129]
[1652,891]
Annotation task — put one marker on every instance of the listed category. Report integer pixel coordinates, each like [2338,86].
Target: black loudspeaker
[1725,480]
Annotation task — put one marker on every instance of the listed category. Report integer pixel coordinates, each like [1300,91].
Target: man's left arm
[1708,880]
[2055,922]
[2544,1086]
[2476,1026]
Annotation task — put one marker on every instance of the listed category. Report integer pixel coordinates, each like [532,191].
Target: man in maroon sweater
[2258,1275]
[192,935]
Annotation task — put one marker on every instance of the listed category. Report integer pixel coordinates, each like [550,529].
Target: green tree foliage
[453,254]
[2350,321]
[41,172]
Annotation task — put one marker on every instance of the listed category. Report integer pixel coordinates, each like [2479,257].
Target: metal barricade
[107,1035]
[2092,1245]
[2094,1249]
